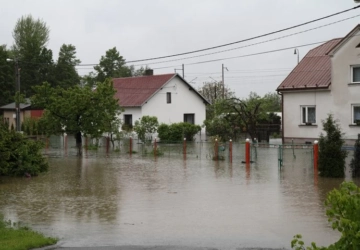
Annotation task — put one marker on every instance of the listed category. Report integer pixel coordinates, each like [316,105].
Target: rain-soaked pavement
[168,202]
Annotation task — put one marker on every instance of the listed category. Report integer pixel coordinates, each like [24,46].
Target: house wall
[135,112]
[337,101]
[9,114]
[183,101]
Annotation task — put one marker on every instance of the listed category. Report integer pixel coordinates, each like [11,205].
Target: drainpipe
[282,116]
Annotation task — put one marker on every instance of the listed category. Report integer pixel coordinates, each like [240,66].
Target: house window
[355,74]
[190,118]
[168,97]
[356,113]
[128,120]
[308,114]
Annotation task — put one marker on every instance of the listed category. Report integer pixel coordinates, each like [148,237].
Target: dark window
[128,119]
[168,97]
[190,118]
[356,74]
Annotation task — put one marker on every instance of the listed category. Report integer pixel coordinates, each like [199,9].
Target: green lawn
[21,238]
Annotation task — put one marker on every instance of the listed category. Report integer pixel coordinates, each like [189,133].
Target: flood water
[118,199]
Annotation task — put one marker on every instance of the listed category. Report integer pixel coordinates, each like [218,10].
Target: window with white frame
[355,74]
[355,113]
[308,114]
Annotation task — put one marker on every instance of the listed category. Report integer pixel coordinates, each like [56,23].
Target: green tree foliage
[213,91]
[18,155]
[65,72]
[77,110]
[331,156]
[177,131]
[226,124]
[355,162]
[7,81]
[147,125]
[111,65]
[272,102]
[343,212]
[35,60]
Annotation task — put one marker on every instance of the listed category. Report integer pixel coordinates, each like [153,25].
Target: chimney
[149,72]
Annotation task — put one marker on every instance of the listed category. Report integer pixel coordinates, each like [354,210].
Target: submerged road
[148,248]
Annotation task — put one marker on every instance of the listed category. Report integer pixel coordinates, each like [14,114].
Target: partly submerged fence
[245,152]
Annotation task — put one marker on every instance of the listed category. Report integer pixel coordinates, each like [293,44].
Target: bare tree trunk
[78,142]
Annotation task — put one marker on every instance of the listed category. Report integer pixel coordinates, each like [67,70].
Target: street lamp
[17,102]
[296,52]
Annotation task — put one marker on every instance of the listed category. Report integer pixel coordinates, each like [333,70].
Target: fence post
[130,145]
[230,150]
[316,156]
[86,144]
[65,143]
[155,147]
[216,148]
[47,142]
[184,148]
[107,145]
[247,151]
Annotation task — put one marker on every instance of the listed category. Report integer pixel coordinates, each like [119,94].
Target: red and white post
[316,156]
[247,151]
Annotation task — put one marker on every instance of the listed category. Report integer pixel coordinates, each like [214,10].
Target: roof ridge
[143,76]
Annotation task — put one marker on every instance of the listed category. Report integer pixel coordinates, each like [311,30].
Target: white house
[168,97]
[326,81]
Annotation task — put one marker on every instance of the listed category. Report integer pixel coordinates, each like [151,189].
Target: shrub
[331,156]
[147,125]
[355,162]
[344,214]
[18,155]
[177,131]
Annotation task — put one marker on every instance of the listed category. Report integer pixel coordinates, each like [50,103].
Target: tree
[343,211]
[35,60]
[7,81]
[138,72]
[272,102]
[112,65]
[77,110]
[147,125]
[65,72]
[213,91]
[19,156]
[331,155]
[355,162]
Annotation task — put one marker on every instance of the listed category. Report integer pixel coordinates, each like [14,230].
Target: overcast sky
[146,29]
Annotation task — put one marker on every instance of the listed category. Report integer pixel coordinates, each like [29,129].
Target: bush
[344,214]
[331,156]
[18,155]
[355,162]
[178,131]
[147,125]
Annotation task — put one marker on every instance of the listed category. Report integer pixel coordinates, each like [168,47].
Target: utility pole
[17,102]
[183,71]
[17,88]
[222,71]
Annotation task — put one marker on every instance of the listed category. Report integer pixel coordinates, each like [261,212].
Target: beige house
[9,113]
[326,81]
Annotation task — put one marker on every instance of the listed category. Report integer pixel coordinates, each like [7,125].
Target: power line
[248,39]
[249,45]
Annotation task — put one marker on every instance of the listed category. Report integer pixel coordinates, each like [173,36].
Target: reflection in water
[142,200]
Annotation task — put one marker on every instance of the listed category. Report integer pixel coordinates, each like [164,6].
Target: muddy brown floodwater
[141,200]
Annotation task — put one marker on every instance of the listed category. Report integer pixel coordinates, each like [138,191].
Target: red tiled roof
[134,91]
[313,71]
